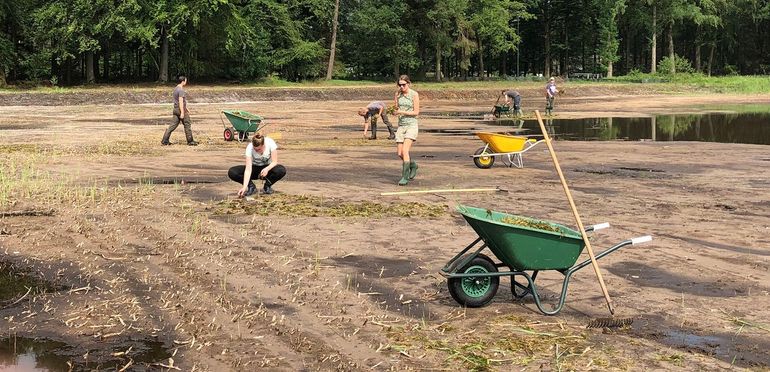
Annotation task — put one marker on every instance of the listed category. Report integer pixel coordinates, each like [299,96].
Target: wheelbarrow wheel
[483,162]
[475,291]
[228,134]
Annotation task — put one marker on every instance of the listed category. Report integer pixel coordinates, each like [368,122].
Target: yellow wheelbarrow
[508,148]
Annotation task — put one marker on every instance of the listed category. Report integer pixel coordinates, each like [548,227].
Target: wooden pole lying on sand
[438,191]
[575,212]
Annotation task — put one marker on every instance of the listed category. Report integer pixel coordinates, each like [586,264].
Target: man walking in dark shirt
[181,114]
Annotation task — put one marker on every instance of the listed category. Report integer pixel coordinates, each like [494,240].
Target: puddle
[708,344]
[724,127]
[750,128]
[15,282]
[24,354]
[42,355]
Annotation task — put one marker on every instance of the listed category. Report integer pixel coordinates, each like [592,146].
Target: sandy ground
[138,255]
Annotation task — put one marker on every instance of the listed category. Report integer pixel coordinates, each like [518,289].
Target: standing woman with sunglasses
[407,109]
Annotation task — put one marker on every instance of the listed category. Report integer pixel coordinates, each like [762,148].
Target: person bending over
[513,96]
[370,112]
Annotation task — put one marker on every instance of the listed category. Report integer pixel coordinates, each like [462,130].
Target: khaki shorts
[406,131]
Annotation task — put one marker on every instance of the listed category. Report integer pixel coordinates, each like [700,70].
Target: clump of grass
[21,179]
[314,206]
[673,358]
[537,225]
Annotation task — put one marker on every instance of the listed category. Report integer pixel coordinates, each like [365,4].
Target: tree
[333,47]
[608,11]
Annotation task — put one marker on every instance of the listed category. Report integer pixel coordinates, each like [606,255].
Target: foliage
[682,65]
[69,41]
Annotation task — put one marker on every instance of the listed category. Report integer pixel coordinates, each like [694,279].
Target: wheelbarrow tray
[524,248]
[504,143]
[243,121]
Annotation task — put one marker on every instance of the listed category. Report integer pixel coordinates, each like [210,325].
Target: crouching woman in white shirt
[261,163]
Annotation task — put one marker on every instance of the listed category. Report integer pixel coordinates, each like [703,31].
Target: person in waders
[407,109]
[550,95]
[370,114]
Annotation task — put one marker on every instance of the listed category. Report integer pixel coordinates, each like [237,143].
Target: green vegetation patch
[500,343]
[314,206]
[16,282]
[122,148]
[332,143]
[537,225]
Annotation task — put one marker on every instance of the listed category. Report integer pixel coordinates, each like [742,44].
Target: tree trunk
[697,57]
[654,47]
[609,63]
[481,59]
[330,69]
[711,58]
[90,78]
[438,62]
[671,53]
[547,54]
[3,83]
[504,65]
[163,70]
[697,48]
[107,56]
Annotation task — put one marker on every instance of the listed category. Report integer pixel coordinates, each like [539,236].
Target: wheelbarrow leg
[525,289]
[451,264]
[531,288]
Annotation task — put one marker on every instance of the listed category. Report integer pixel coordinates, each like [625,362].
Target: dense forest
[67,42]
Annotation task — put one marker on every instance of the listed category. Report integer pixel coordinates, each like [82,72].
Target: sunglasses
[403,85]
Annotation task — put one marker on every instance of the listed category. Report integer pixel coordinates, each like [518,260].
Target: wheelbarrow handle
[598,226]
[641,239]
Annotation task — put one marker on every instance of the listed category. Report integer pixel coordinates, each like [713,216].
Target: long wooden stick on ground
[575,212]
[439,191]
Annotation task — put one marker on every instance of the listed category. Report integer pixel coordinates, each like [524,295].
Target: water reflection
[753,128]
[24,354]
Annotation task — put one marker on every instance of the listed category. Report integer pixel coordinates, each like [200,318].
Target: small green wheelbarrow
[505,111]
[521,244]
[241,124]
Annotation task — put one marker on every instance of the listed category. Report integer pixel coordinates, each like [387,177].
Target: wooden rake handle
[575,212]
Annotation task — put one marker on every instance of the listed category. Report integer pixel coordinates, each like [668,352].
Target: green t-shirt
[406,103]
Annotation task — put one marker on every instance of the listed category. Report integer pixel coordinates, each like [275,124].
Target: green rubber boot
[412,169]
[404,174]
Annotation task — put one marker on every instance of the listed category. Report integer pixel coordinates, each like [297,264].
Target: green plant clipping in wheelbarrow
[241,124]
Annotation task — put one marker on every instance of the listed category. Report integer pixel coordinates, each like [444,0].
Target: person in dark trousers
[261,163]
[181,114]
[370,112]
[513,96]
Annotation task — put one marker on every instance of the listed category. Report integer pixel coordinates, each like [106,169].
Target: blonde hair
[405,78]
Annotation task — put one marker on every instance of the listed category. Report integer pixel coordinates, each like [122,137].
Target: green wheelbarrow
[522,245]
[241,124]
[505,111]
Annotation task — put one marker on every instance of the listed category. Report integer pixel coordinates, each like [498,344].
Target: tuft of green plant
[537,225]
[673,358]
[314,206]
